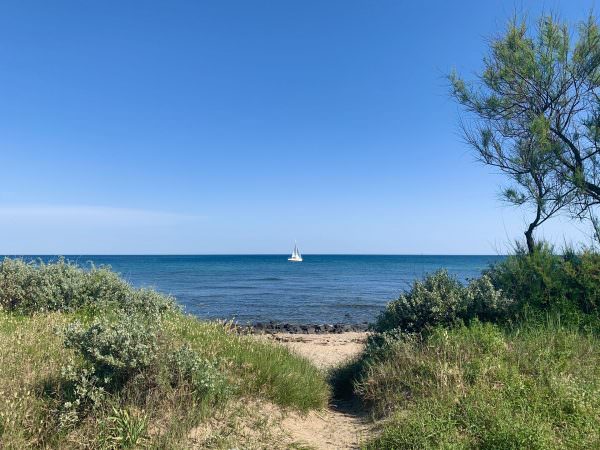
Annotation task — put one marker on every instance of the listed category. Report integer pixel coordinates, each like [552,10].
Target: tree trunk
[538,215]
[529,238]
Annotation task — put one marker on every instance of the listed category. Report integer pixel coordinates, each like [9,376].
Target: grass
[483,386]
[258,367]
[32,356]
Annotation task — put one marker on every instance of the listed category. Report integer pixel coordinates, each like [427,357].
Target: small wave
[226,287]
[269,279]
[358,306]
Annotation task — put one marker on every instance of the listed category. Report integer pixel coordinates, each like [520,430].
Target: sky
[223,126]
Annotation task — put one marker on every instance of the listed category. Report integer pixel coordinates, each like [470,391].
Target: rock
[273,327]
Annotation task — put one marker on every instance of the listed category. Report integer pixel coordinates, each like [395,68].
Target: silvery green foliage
[88,391]
[147,303]
[484,301]
[186,366]
[435,300]
[442,300]
[63,286]
[45,287]
[116,349]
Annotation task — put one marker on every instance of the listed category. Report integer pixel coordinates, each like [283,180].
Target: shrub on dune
[440,299]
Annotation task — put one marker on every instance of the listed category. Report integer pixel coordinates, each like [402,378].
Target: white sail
[295,254]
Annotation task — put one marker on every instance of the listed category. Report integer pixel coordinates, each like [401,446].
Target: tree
[535,115]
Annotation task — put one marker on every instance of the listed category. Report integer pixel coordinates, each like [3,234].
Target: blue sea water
[252,288]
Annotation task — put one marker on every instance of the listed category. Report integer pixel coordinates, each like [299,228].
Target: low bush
[115,350]
[187,367]
[442,300]
[28,287]
[547,281]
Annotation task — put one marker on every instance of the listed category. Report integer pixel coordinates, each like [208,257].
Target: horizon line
[251,254]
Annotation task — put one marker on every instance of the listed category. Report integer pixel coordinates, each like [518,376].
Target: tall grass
[258,367]
[481,386]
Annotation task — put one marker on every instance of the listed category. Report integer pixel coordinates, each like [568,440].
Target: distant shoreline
[292,328]
[283,255]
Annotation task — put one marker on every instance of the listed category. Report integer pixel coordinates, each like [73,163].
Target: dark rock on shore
[290,328]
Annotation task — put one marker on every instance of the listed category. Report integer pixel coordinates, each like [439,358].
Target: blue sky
[239,126]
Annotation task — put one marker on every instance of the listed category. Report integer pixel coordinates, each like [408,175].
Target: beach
[324,350]
[344,424]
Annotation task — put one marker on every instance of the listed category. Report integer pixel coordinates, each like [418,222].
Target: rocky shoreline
[290,328]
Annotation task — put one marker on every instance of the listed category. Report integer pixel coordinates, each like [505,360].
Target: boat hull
[295,259]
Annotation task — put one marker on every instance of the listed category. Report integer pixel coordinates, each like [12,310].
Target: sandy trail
[324,350]
[343,425]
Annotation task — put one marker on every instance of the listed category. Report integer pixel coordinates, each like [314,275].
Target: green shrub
[115,350]
[550,282]
[147,303]
[442,300]
[84,390]
[435,300]
[47,287]
[207,382]
[28,287]
[485,302]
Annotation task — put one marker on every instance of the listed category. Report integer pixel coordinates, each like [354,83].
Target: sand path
[343,425]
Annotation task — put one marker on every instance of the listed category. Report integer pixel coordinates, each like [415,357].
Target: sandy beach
[324,350]
[343,425]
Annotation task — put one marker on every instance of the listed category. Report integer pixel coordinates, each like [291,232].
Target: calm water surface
[249,288]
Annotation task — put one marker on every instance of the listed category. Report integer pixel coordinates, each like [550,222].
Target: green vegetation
[509,360]
[483,386]
[443,373]
[88,361]
[442,300]
[569,282]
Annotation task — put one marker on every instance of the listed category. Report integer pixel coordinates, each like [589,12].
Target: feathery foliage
[534,113]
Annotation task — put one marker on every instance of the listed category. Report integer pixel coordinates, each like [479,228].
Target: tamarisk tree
[534,113]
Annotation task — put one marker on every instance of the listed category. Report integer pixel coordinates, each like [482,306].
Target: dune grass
[259,367]
[33,357]
[484,386]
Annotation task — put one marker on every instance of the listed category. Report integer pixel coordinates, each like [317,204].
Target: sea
[261,288]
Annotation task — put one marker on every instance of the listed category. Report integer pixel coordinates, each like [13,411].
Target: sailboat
[296,256]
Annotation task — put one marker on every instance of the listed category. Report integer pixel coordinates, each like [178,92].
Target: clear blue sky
[239,126]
